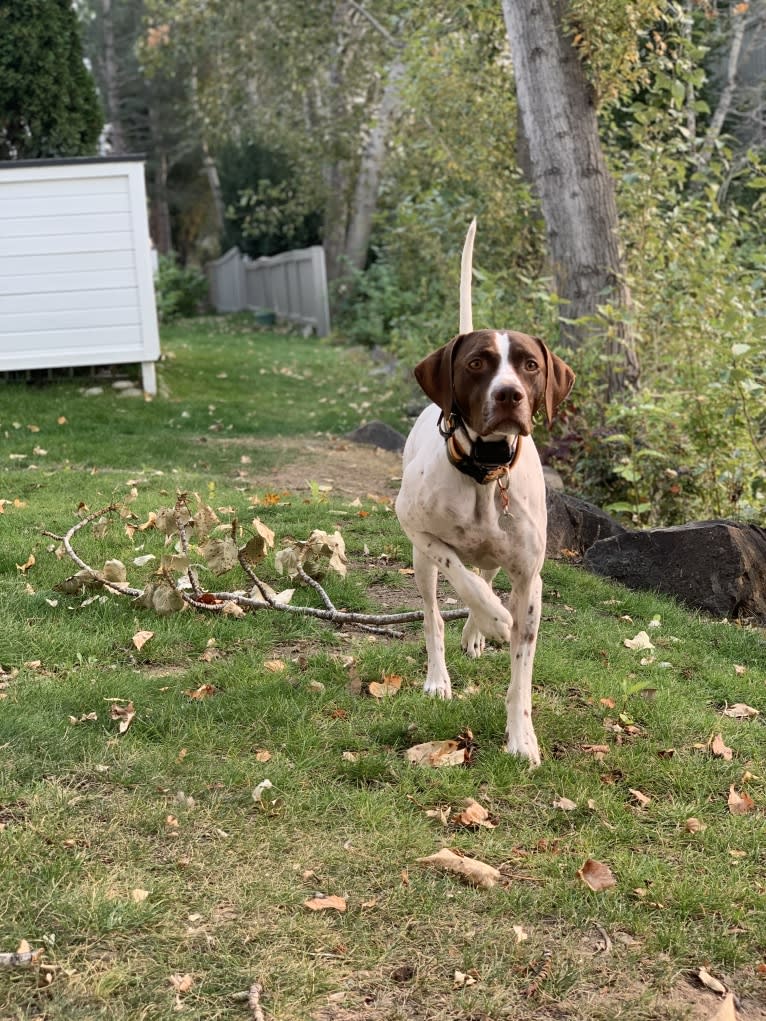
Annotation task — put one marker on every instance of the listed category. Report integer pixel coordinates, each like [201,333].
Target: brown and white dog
[473,493]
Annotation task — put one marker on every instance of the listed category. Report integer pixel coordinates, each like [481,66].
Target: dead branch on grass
[24,959]
[254,1002]
[171,593]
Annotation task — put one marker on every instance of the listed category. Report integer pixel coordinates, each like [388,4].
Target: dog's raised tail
[466,272]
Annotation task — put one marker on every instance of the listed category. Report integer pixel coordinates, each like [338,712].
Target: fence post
[319,272]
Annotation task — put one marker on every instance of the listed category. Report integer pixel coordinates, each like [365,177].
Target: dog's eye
[531,365]
[476,363]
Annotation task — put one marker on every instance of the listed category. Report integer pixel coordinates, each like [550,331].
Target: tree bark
[160,206]
[111,84]
[367,188]
[335,221]
[572,181]
[726,98]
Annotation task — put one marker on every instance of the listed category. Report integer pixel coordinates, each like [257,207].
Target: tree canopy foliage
[382,128]
[48,101]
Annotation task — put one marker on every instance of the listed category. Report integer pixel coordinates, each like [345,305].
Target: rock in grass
[715,566]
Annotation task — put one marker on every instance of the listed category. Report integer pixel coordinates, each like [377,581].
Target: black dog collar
[487,461]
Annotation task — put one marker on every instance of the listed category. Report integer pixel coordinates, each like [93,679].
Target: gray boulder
[715,566]
[378,434]
[574,524]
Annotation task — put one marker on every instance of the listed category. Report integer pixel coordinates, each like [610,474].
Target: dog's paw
[438,685]
[472,640]
[522,741]
[493,620]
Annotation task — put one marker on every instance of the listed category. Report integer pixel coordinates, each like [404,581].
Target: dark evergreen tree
[48,101]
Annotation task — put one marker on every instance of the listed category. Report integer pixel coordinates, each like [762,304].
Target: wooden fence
[292,285]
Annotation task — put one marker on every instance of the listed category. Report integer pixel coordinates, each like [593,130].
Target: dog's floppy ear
[434,374]
[559,380]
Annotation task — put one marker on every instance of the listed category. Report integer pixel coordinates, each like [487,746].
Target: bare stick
[23,960]
[191,572]
[67,541]
[308,580]
[247,567]
[254,1002]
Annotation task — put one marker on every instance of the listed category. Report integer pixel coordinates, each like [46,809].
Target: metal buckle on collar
[451,423]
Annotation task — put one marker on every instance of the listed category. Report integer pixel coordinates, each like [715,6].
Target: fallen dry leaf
[565,804]
[331,903]
[465,978]
[30,562]
[138,896]
[203,691]
[257,792]
[598,751]
[596,875]
[262,755]
[740,804]
[474,814]
[442,814]
[710,981]
[181,983]
[693,825]
[520,933]
[473,871]
[642,799]
[389,685]
[437,754]
[274,666]
[123,713]
[85,718]
[140,638]
[641,641]
[719,749]
[740,711]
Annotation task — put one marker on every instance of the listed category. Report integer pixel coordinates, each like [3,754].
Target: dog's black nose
[509,395]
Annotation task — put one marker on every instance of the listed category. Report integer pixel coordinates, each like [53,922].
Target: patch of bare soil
[352,469]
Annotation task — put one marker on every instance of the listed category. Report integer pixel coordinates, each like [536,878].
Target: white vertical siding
[76,284]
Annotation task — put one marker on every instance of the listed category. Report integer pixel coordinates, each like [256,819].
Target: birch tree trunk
[571,179]
[367,188]
[112,87]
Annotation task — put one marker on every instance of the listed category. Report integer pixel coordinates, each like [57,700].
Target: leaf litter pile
[473,853]
[194,536]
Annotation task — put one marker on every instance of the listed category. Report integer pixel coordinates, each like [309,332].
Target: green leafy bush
[180,291]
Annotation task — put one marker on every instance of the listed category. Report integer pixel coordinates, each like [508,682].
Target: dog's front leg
[426,577]
[472,639]
[520,738]
[489,615]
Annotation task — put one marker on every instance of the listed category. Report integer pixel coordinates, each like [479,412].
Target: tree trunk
[368,180]
[571,178]
[160,206]
[111,84]
[214,183]
[335,221]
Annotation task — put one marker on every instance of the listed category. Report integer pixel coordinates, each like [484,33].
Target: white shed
[76,285]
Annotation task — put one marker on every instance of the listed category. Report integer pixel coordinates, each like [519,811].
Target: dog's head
[497,380]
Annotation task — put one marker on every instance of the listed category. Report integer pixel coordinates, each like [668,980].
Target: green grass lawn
[139,856]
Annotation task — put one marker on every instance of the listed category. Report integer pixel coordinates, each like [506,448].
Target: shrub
[180,290]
